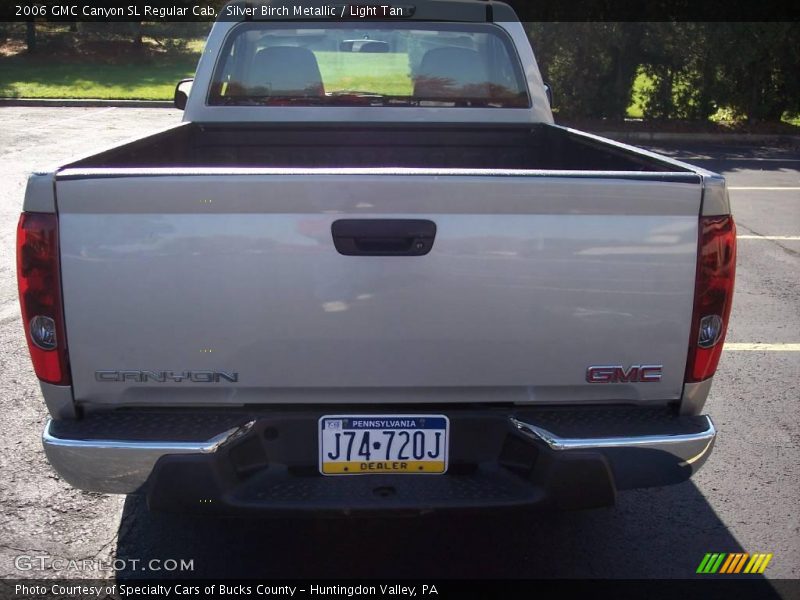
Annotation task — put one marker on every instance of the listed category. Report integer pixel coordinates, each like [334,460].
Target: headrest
[286,71]
[451,72]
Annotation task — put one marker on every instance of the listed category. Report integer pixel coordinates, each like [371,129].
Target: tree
[30,35]
[673,56]
[759,65]
[138,36]
[591,66]
[693,68]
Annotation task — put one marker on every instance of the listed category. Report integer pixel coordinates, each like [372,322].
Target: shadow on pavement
[657,533]
[733,158]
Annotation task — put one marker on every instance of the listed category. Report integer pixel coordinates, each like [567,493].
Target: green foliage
[693,71]
[759,68]
[591,66]
[671,70]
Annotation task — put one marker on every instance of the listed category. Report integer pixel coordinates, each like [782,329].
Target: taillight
[39,280]
[713,295]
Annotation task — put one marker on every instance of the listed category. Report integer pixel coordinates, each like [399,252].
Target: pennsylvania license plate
[370,444]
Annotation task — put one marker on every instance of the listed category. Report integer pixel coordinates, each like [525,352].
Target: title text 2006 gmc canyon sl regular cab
[368,272]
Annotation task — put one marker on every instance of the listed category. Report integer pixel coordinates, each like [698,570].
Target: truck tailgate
[531,280]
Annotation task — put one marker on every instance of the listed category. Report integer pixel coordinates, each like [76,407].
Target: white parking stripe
[732,347]
[769,189]
[768,237]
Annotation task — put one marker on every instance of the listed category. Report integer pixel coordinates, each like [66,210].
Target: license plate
[381,444]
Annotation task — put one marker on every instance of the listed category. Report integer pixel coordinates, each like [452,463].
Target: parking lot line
[768,189]
[768,237]
[744,347]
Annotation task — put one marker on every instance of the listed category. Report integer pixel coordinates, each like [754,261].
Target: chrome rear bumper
[686,448]
[634,452]
[117,466]
[636,461]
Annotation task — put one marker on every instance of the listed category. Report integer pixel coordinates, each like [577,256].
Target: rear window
[350,64]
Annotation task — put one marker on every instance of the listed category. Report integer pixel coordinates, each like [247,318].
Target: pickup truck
[368,273]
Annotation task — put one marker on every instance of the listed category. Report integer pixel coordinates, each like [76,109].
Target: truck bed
[216,250]
[454,146]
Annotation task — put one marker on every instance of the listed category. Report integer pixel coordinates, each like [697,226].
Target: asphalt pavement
[745,499]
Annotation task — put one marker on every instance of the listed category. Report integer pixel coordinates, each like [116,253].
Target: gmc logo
[619,374]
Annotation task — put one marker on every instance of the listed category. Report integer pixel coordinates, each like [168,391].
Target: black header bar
[467,10]
[743,588]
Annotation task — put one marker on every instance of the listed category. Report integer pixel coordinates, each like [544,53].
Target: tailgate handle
[383,237]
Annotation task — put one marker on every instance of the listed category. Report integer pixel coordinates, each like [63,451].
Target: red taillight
[713,295]
[39,280]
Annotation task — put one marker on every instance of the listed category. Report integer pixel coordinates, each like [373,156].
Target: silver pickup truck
[368,272]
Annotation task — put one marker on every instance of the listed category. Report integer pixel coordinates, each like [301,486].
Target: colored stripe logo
[731,564]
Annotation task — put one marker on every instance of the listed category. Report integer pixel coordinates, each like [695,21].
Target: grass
[386,74]
[22,76]
[129,82]
[41,76]
[25,77]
